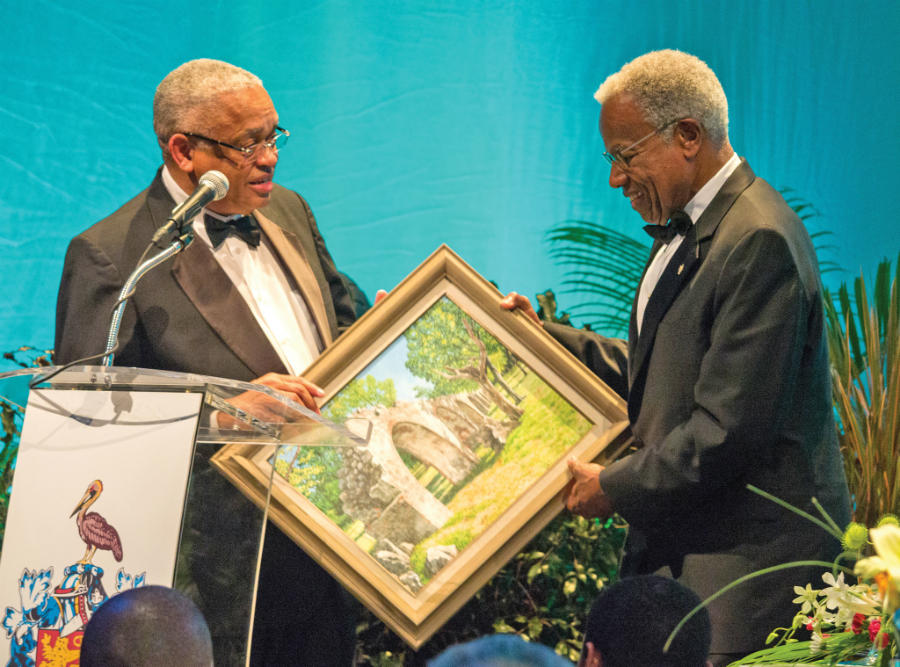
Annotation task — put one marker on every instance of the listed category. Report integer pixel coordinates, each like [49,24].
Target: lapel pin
[680,269]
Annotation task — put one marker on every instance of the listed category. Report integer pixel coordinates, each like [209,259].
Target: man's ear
[689,135]
[182,151]
[590,657]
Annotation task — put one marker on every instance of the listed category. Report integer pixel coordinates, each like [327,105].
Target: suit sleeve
[606,357]
[88,290]
[742,397]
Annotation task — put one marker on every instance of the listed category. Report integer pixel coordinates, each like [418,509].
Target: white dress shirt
[694,208]
[274,300]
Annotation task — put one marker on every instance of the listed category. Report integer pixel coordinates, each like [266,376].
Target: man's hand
[264,407]
[294,387]
[583,494]
[515,300]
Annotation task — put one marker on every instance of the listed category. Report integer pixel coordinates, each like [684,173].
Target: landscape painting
[458,429]
[447,425]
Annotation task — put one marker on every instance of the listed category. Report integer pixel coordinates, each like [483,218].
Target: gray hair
[183,98]
[669,85]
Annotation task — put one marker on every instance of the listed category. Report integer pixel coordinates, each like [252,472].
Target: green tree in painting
[450,350]
[360,393]
[313,471]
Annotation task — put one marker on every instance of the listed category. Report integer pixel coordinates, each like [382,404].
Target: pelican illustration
[93,528]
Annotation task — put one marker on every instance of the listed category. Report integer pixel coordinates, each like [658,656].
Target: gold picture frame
[484,438]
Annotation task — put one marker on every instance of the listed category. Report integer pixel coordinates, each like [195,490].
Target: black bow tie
[246,228]
[679,223]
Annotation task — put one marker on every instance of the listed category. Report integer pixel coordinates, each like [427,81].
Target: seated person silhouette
[630,621]
[152,625]
[504,650]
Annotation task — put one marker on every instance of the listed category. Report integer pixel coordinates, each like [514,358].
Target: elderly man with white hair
[255,297]
[726,367]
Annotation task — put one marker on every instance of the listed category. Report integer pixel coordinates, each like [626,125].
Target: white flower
[807,598]
[861,599]
[835,590]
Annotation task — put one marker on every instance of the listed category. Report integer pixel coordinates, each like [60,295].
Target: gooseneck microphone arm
[128,288]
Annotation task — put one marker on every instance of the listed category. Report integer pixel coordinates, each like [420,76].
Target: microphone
[213,185]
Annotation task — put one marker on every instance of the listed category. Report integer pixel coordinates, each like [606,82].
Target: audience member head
[631,620]
[152,625]
[504,650]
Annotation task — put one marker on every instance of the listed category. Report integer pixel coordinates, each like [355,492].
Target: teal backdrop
[417,123]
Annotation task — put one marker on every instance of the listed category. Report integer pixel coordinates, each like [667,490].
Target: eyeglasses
[617,156]
[251,152]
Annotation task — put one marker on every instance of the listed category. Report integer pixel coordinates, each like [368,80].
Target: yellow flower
[884,568]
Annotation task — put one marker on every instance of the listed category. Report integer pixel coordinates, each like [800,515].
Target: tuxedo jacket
[186,315]
[728,384]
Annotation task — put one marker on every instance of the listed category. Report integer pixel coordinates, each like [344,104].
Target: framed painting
[469,413]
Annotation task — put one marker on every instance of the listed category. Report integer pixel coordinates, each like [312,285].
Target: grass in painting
[549,428]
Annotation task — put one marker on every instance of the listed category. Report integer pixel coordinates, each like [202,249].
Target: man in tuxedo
[255,297]
[726,367]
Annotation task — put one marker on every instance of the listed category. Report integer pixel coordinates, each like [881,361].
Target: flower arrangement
[850,623]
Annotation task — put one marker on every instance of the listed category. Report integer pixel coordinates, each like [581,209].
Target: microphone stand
[179,244]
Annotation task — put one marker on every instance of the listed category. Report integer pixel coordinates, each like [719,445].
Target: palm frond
[603,267]
[864,347]
[806,211]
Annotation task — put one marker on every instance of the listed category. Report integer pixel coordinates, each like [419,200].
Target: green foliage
[543,594]
[27,356]
[438,344]
[313,471]
[807,212]
[603,267]
[11,417]
[360,393]
[864,345]
[547,309]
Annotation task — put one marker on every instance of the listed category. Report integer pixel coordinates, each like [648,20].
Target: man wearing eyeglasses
[256,297]
[726,367]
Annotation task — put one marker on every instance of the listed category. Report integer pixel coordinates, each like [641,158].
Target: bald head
[152,625]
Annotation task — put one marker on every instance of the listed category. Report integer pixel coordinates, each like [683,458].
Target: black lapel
[678,271]
[681,267]
[214,296]
[632,325]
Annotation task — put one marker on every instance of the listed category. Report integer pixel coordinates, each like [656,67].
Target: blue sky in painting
[392,364]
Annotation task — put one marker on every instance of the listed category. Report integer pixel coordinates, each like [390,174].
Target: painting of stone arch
[458,428]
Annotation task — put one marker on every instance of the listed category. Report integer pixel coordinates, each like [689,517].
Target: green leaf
[502,626]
